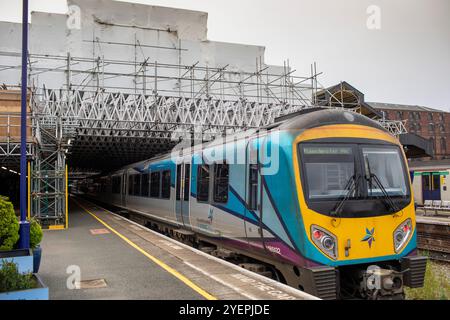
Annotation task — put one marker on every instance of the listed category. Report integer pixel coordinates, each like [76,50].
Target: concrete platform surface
[128,274]
[433,220]
[138,263]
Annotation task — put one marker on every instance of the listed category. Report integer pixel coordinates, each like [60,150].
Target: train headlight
[325,240]
[402,234]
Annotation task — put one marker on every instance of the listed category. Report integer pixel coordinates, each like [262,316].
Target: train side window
[426,185]
[155,184]
[145,185]
[252,186]
[130,184]
[113,187]
[137,185]
[116,185]
[178,183]
[165,185]
[203,183]
[436,183]
[187,178]
[221,180]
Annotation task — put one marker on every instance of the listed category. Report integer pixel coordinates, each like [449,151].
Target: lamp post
[24,231]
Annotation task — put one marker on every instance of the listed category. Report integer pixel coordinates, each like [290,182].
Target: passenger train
[321,199]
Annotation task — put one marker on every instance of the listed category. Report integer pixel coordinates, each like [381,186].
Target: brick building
[421,123]
[428,123]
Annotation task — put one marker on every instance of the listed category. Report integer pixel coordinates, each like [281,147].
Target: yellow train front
[356,226]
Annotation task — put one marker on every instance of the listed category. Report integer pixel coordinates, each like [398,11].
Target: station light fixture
[10,170]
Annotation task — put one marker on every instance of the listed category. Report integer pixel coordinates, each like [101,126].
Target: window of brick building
[430,116]
[431,127]
[443,145]
[418,127]
[433,144]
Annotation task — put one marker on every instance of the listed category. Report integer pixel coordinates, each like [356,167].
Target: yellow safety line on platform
[169,269]
[56,227]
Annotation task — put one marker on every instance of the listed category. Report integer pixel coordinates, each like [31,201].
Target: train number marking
[274,249]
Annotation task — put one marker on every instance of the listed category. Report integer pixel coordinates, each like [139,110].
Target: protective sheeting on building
[105,33]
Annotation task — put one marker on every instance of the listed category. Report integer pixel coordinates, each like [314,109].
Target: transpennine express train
[320,200]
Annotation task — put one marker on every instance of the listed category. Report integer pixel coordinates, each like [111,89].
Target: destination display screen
[327,150]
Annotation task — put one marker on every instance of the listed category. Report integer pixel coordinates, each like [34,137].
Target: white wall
[417,189]
[119,22]
[445,182]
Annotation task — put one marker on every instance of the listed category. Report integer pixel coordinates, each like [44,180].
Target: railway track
[433,235]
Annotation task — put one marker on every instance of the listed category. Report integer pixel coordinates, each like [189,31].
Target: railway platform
[434,236]
[105,256]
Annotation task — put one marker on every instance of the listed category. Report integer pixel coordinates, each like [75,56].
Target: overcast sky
[406,60]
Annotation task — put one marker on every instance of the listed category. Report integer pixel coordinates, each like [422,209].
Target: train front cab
[357,206]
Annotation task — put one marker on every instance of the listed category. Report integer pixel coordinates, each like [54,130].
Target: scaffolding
[109,112]
[10,144]
[160,103]
[48,173]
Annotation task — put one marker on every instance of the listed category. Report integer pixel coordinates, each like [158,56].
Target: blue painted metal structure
[24,231]
[39,293]
[22,258]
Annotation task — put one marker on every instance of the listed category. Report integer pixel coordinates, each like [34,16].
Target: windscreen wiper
[372,176]
[351,185]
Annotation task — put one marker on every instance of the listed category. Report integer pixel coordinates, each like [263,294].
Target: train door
[253,222]
[431,186]
[124,189]
[182,192]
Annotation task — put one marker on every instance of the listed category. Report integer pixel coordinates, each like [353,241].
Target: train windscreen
[385,164]
[372,178]
[329,169]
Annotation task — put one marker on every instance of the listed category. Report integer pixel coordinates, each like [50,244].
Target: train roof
[300,120]
[317,117]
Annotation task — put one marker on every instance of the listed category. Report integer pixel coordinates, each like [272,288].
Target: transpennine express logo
[369,237]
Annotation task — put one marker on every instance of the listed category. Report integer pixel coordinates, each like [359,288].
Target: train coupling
[378,283]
